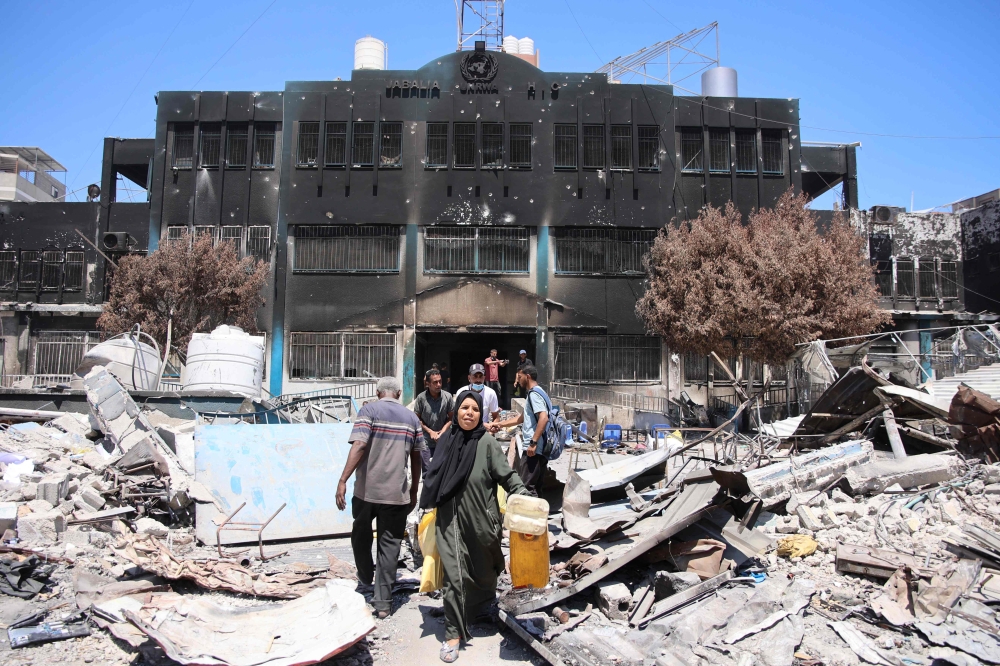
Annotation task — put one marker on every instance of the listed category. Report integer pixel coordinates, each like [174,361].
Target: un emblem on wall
[479,67]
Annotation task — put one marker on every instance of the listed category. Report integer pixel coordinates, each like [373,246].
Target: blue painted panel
[267,465]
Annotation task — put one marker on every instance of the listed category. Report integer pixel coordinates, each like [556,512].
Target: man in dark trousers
[386,436]
[435,408]
[533,422]
[522,362]
[493,365]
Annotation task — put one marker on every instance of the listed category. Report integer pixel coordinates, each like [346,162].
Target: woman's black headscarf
[453,458]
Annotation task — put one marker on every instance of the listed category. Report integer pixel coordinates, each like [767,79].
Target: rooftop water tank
[526,46]
[135,364]
[719,82]
[370,53]
[227,359]
[510,44]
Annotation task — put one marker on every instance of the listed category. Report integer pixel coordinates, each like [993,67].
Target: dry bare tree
[201,285]
[775,282]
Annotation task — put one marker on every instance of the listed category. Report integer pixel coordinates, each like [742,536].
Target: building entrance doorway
[461,350]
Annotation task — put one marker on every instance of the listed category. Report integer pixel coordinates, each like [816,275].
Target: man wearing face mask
[477,383]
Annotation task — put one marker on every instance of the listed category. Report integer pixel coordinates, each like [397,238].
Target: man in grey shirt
[435,408]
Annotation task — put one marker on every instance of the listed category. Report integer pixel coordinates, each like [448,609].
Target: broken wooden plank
[675,601]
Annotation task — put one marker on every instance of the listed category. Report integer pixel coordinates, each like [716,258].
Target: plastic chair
[611,437]
[660,432]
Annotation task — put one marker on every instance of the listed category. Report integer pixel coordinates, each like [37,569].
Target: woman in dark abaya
[461,484]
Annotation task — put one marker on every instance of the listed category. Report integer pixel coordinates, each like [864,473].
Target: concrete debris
[911,472]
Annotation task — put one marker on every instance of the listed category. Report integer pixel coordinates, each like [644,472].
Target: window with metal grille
[336,145]
[904,278]
[883,278]
[607,358]
[52,261]
[259,243]
[770,146]
[203,231]
[593,147]
[363,145]
[565,146]
[476,250]
[31,269]
[8,270]
[949,279]
[211,145]
[307,151]
[520,146]
[927,270]
[621,146]
[602,251]
[264,138]
[695,368]
[364,249]
[465,145]
[183,152]
[746,151]
[73,270]
[176,233]
[649,148]
[492,145]
[391,146]
[236,146]
[437,145]
[341,355]
[232,235]
[60,352]
[718,151]
[692,151]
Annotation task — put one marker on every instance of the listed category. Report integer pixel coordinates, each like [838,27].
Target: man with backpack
[538,441]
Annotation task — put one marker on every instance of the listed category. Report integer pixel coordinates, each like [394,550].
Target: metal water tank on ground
[227,359]
[370,53]
[135,364]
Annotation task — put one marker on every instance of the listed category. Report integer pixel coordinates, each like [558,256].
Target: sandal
[449,653]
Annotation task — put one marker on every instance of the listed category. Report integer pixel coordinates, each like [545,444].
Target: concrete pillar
[911,341]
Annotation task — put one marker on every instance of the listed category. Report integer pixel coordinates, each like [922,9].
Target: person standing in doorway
[435,408]
[477,384]
[522,362]
[533,422]
[445,377]
[493,365]
[386,435]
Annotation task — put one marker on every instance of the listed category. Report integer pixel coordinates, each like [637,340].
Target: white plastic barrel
[135,364]
[526,46]
[227,359]
[510,44]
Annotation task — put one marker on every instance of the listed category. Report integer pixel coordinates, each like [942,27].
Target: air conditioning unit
[116,241]
[885,214]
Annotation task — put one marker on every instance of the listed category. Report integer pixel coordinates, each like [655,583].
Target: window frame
[385,145]
[623,140]
[183,132]
[949,285]
[358,136]
[442,242]
[343,349]
[687,137]
[80,265]
[644,141]
[752,134]
[772,139]
[495,138]
[9,270]
[261,133]
[29,260]
[210,132]
[719,151]
[613,246]
[603,355]
[570,138]
[904,267]
[458,145]
[307,138]
[431,151]
[52,260]
[332,136]
[341,242]
[520,138]
[235,132]
[598,140]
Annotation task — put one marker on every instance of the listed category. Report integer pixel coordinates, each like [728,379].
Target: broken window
[904,278]
[949,279]
[391,145]
[465,145]
[695,368]
[607,358]
[621,147]
[341,355]
[692,148]
[363,145]
[770,144]
[307,151]
[649,148]
[8,270]
[236,146]
[718,151]
[52,261]
[361,249]
[259,243]
[73,270]
[927,287]
[30,270]
[336,145]
[437,145]
[883,278]
[492,145]
[602,251]
[264,138]
[593,147]
[211,144]
[520,145]
[565,146]
[476,249]
[183,149]
[746,151]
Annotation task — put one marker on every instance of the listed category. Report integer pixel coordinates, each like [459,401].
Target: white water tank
[719,82]
[227,359]
[526,46]
[510,44]
[370,53]
[134,364]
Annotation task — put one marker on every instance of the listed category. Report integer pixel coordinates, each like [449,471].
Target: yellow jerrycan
[527,518]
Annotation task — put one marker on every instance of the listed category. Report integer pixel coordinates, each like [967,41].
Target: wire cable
[583,33]
[259,17]
[679,29]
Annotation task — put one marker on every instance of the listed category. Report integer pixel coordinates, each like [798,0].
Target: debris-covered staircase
[985,378]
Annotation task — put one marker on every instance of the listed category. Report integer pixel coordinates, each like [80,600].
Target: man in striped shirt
[386,435]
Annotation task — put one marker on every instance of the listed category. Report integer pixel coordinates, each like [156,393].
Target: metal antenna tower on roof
[670,62]
[480,21]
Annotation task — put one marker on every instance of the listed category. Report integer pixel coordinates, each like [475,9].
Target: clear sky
[75,72]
